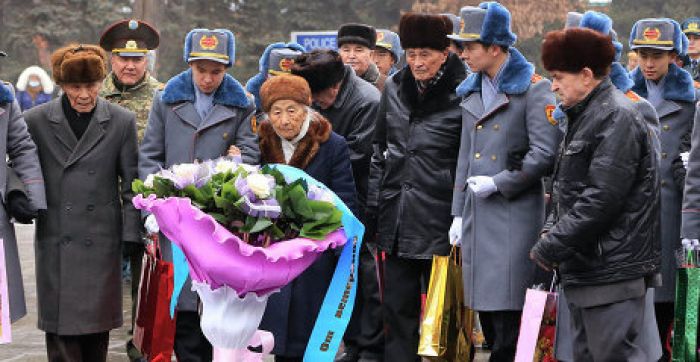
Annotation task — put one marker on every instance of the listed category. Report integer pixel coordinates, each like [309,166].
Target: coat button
[406,186]
[664,154]
[479,127]
[69,206]
[663,182]
[88,242]
[666,127]
[91,172]
[496,127]
[477,155]
[66,241]
[493,157]
[90,207]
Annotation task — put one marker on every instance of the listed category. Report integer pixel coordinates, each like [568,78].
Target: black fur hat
[573,49]
[357,34]
[322,69]
[418,30]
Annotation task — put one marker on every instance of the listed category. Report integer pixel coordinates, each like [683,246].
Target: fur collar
[678,85]
[620,77]
[437,97]
[516,77]
[271,146]
[181,89]
[6,93]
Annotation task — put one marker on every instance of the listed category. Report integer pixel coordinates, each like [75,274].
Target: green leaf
[260,225]
[138,187]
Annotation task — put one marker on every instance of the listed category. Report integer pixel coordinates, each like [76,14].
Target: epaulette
[536,78]
[634,97]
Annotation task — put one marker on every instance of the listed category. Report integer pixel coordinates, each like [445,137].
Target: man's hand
[233,151]
[151,225]
[482,186]
[541,263]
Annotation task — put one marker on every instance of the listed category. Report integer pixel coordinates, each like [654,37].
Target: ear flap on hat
[497,26]
[231,40]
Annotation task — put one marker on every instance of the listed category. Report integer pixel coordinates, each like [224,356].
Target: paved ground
[28,341]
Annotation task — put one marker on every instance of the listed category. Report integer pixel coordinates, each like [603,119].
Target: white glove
[151,225]
[684,157]
[455,233]
[482,186]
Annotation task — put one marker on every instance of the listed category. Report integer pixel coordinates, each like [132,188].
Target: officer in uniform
[691,28]
[387,53]
[131,86]
[276,59]
[506,115]
[670,90]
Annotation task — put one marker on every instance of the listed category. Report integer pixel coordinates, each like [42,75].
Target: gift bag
[537,327]
[154,330]
[685,322]
[445,330]
[5,329]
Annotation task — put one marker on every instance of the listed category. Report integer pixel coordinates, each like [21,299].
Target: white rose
[259,184]
[186,171]
[225,166]
[149,181]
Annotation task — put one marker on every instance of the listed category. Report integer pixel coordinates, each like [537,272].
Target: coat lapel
[93,134]
[474,105]
[667,107]
[61,130]
[498,103]
[217,115]
[188,113]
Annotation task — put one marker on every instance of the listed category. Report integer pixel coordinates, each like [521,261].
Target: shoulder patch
[634,97]
[254,124]
[535,78]
[549,112]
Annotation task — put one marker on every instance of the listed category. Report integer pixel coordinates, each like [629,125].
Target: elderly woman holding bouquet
[294,134]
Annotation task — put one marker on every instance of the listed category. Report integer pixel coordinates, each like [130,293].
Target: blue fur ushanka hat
[218,45]
[488,24]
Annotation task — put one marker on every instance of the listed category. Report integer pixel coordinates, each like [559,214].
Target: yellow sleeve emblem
[549,112]
[536,78]
[634,97]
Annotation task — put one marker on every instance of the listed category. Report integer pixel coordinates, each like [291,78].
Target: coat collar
[436,97]
[346,88]
[181,89]
[678,85]
[74,148]
[6,93]
[620,77]
[307,148]
[516,77]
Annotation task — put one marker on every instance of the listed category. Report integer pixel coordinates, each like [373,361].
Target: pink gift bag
[537,327]
[5,329]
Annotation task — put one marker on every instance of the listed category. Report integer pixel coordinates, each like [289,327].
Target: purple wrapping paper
[217,257]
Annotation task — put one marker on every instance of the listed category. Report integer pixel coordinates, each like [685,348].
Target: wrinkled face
[570,87]
[357,56]
[654,63]
[425,62]
[478,57]
[383,59]
[326,97]
[207,75]
[82,96]
[694,45]
[287,117]
[129,70]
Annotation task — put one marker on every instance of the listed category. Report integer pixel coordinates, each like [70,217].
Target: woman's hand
[233,151]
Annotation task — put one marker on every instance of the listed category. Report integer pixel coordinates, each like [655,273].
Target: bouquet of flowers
[243,233]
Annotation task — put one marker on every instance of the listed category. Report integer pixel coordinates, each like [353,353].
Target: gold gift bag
[446,327]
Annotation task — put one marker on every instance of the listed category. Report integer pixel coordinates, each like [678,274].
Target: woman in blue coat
[295,135]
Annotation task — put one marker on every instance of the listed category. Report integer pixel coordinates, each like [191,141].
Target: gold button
[663,182]
[496,127]
[479,127]
[666,127]
[477,155]
[493,157]
[664,155]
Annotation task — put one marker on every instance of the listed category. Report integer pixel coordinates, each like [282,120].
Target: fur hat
[362,34]
[658,33]
[284,86]
[322,69]
[79,63]
[218,45]
[691,26]
[418,30]
[573,49]
[488,24]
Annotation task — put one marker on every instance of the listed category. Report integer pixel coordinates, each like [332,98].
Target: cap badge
[693,27]
[286,64]
[133,24]
[131,45]
[208,42]
[652,34]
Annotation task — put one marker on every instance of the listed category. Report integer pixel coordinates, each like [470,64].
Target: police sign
[316,39]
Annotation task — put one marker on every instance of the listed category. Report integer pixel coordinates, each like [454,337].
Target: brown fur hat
[322,68]
[573,49]
[418,30]
[286,86]
[74,63]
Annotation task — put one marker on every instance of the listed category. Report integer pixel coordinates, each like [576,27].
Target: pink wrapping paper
[533,310]
[217,257]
